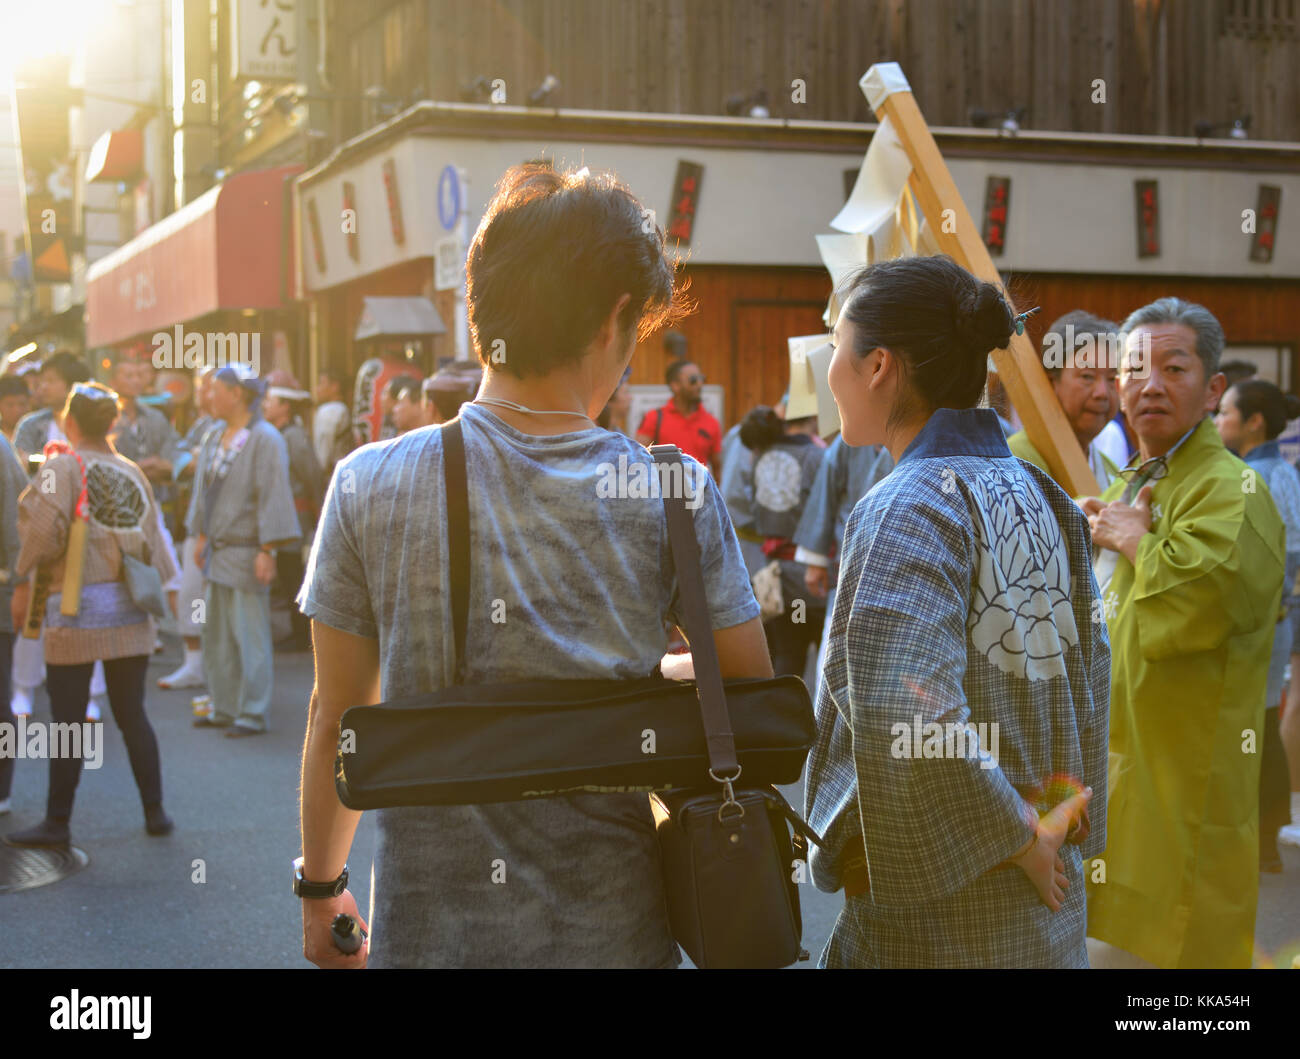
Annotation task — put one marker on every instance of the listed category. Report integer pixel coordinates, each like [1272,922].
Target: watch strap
[305,888]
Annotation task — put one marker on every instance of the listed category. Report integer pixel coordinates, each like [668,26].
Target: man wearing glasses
[684,421]
[1190,589]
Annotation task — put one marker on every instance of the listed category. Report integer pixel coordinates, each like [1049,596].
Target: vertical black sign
[1147,197]
[394,202]
[1266,210]
[685,200]
[997,205]
[41,102]
[350,207]
[317,244]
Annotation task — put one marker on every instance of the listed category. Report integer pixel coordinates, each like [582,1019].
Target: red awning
[116,156]
[224,250]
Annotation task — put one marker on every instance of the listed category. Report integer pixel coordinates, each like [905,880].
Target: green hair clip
[1020,320]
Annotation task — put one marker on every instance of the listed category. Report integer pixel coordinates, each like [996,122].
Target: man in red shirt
[683,421]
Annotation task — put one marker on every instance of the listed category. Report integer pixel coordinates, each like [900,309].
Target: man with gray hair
[1081,357]
[1190,589]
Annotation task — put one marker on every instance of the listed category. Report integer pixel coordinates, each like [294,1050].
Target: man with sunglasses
[1190,586]
[684,421]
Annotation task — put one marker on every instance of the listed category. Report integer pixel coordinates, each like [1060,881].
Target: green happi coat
[1191,631]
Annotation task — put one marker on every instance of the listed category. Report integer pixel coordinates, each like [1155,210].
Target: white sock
[193,658]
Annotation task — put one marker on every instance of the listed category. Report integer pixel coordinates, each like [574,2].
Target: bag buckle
[729,798]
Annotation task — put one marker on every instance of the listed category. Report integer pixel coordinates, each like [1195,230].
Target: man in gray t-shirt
[572,578]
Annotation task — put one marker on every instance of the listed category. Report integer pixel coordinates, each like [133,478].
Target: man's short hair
[1081,322]
[451,386]
[1208,330]
[1236,370]
[447,403]
[675,369]
[553,254]
[68,366]
[407,386]
[675,344]
[13,386]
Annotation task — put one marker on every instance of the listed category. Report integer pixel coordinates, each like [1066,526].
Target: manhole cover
[25,869]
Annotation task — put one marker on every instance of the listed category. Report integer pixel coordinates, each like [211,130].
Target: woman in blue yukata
[963,710]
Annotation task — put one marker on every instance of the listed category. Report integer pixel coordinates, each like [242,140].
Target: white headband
[286,394]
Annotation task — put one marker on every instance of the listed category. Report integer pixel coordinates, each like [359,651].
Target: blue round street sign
[449,197]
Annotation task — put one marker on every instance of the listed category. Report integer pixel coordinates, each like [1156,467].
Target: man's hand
[1042,861]
[200,543]
[264,568]
[817,579]
[1120,526]
[317,941]
[677,667]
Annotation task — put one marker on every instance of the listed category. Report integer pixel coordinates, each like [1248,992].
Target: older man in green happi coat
[1190,588]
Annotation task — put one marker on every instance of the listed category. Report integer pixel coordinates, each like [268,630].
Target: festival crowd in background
[202,519]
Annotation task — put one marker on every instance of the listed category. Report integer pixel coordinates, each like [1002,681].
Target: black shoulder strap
[695,612]
[658,425]
[456,488]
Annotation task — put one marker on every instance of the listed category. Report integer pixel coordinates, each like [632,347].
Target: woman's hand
[1042,861]
[317,941]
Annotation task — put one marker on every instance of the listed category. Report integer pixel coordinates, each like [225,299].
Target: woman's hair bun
[984,321]
[761,428]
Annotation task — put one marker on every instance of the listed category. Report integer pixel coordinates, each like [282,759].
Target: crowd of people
[1129,651]
[220,517]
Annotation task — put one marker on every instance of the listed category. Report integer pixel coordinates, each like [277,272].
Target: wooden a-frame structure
[1019,366]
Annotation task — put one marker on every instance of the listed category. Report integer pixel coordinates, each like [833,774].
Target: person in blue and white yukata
[962,714]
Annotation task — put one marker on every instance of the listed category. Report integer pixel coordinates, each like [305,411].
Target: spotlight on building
[477,91]
[385,103]
[1236,129]
[542,94]
[753,105]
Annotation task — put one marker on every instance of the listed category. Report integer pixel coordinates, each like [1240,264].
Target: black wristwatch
[303,888]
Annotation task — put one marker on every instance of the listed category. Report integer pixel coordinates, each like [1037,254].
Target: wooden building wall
[738,333]
[1166,63]
[1252,311]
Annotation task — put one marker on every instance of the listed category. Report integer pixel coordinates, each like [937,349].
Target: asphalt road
[215,893]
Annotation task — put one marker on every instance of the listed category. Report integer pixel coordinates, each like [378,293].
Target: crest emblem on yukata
[1022,617]
[115,498]
[777,480]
